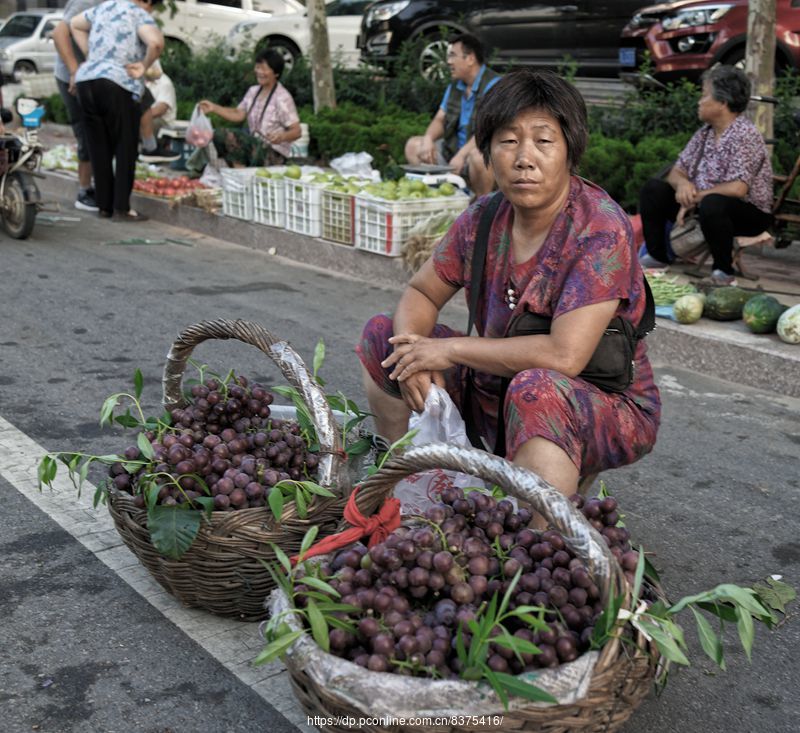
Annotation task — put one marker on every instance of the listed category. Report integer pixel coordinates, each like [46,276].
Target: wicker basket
[622,675]
[223,570]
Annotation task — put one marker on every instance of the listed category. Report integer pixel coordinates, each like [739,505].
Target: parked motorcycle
[20,158]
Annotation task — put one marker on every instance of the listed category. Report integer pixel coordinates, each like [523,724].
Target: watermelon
[789,325]
[725,304]
[761,313]
[688,308]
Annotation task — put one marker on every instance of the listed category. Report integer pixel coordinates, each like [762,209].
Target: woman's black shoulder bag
[612,364]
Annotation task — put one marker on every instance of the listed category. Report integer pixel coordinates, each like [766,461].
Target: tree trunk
[760,59]
[320,56]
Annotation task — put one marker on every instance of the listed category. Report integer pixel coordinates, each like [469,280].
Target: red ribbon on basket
[378,527]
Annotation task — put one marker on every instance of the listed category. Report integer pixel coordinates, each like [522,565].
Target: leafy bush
[55,111]
[349,128]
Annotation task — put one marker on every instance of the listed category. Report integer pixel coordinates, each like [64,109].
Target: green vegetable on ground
[789,325]
[689,308]
[761,313]
[667,290]
[726,304]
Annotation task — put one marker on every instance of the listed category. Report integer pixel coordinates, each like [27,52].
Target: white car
[290,35]
[199,23]
[26,43]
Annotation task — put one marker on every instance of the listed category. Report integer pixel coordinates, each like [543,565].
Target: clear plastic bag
[439,422]
[200,132]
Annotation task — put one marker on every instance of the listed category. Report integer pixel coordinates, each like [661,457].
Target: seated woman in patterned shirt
[558,246]
[724,172]
[271,115]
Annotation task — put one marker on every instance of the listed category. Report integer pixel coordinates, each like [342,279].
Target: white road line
[233,643]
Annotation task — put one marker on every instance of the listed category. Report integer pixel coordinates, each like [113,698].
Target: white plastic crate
[338,216]
[237,192]
[304,207]
[269,201]
[382,226]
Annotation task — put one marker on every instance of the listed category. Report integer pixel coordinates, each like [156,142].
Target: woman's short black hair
[542,90]
[271,58]
[470,44]
[730,86]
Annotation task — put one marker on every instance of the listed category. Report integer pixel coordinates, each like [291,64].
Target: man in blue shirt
[449,139]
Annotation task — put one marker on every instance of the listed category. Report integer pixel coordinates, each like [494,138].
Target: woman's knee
[714,206]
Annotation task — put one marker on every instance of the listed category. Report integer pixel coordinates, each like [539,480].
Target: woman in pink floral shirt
[558,246]
[270,113]
[724,172]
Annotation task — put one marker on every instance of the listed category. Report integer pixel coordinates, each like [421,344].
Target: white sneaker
[718,277]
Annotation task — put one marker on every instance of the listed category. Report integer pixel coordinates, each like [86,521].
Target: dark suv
[685,38]
[512,31]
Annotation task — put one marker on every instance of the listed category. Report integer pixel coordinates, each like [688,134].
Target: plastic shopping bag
[439,422]
[200,132]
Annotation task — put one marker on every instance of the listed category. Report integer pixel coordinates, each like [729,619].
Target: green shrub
[54,110]
[349,128]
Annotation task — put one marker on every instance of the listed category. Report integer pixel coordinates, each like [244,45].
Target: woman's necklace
[511,296]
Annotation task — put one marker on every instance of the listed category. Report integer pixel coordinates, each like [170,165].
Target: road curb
[726,350]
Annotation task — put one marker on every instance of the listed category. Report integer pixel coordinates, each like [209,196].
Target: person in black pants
[120,41]
[724,173]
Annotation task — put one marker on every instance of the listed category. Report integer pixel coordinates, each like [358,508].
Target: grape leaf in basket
[173,528]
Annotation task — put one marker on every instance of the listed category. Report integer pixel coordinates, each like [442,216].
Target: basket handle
[525,485]
[332,470]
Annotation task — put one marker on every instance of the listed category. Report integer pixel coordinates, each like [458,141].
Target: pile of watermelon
[168,187]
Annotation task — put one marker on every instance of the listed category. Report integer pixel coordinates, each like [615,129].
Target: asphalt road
[83,651]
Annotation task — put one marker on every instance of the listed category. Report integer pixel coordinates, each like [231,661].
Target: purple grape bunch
[225,445]
[414,591]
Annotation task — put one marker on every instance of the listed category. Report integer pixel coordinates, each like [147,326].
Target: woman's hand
[415,389]
[206,106]
[686,194]
[414,353]
[135,70]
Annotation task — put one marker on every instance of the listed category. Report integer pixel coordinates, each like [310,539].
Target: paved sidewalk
[723,349]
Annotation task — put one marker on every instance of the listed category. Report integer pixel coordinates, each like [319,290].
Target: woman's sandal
[131,216]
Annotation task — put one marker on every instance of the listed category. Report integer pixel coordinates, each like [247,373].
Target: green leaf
[46,471]
[744,624]
[138,383]
[709,640]
[173,529]
[319,629]
[520,688]
[319,357]
[637,579]
[666,644]
[775,594]
[317,489]
[275,500]
[277,648]
[310,580]
[127,420]
[308,540]
[497,686]
[99,492]
[359,447]
[282,558]
[144,446]
[516,644]
[107,410]
[723,611]
[300,502]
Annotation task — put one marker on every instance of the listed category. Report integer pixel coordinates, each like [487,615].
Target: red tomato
[169,192]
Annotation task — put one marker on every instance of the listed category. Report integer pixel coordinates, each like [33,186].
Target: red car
[685,38]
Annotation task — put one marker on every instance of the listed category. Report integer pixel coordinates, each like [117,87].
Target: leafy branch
[488,628]
[302,493]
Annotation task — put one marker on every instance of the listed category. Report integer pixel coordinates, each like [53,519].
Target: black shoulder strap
[479,255]
[648,321]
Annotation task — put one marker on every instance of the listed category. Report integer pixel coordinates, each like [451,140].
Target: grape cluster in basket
[413,592]
[224,444]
